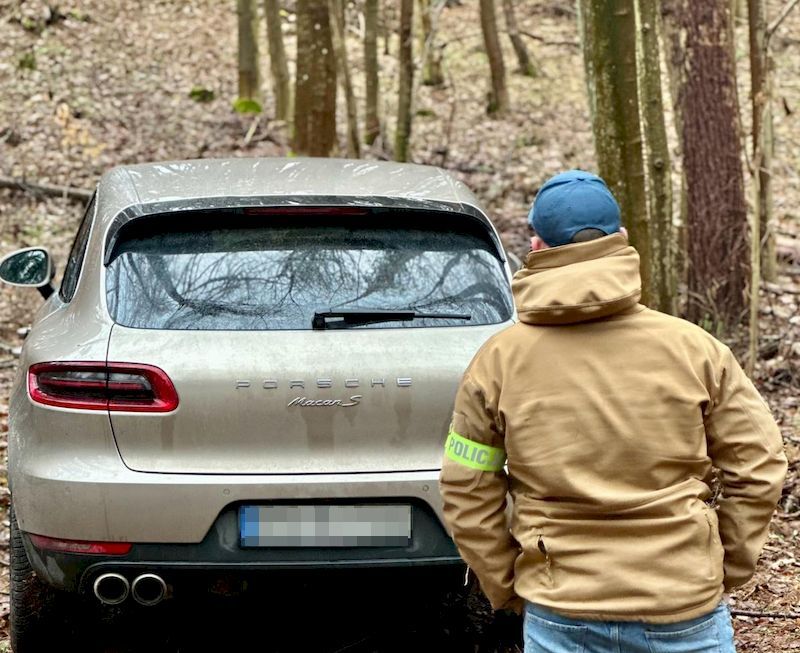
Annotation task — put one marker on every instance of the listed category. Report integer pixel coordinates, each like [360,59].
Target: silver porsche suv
[249,366]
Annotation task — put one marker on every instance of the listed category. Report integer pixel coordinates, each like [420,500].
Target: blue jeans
[548,632]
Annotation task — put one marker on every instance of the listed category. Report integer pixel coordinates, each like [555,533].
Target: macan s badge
[306,402]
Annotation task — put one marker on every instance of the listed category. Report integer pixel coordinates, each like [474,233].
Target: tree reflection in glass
[26,268]
[277,276]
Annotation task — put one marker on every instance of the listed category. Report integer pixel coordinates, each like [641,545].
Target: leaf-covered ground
[90,84]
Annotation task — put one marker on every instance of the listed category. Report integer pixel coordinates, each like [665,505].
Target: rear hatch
[224,302]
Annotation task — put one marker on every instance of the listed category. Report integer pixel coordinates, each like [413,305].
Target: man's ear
[537,244]
[624,232]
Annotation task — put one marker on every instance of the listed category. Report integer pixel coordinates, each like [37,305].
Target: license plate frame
[324,525]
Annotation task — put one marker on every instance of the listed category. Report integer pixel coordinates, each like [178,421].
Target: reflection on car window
[277,273]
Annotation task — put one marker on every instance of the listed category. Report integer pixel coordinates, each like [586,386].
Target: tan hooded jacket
[611,416]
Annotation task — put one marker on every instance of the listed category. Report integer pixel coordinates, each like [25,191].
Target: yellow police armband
[473,454]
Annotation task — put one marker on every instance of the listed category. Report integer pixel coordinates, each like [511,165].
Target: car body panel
[98,498]
[241,394]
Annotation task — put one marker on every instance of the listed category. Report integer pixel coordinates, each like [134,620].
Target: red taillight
[306,210]
[97,386]
[77,546]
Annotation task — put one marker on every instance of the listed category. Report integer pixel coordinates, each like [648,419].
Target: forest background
[91,84]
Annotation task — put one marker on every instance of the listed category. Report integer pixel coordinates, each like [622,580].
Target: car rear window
[233,271]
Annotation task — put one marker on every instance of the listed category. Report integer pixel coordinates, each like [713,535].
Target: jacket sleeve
[474,486]
[745,444]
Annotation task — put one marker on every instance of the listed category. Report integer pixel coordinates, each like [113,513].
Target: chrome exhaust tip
[111,589]
[148,589]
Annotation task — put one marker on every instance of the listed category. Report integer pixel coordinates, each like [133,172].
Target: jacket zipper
[547,562]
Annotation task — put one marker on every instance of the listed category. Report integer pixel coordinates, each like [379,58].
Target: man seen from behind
[610,417]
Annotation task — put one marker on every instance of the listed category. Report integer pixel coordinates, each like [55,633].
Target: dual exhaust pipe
[146,589]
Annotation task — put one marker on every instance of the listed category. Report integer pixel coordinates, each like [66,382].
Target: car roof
[199,179]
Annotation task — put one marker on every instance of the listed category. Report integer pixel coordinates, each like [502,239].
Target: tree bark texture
[372,124]
[315,94]
[761,102]
[277,61]
[654,130]
[498,97]
[431,53]
[387,15]
[716,213]
[406,81]
[249,68]
[526,66]
[608,33]
[672,40]
[336,12]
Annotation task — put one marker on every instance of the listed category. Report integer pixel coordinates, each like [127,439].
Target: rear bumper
[97,498]
[220,555]
[184,523]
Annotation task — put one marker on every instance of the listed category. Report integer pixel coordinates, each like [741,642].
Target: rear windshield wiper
[359,317]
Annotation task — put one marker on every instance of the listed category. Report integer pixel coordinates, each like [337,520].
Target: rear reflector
[99,386]
[306,210]
[77,546]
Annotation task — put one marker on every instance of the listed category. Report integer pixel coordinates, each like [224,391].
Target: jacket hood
[577,283]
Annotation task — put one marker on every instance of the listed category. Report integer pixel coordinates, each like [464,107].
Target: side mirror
[31,267]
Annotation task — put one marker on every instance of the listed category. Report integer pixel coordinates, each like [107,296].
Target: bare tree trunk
[760,85]
[315,94]
[672,40]
[498,98]
[249,69]
[336,12]
[372,124]
[717,230]
[277,61]
[654,130]
[406,82]
[431,53]
[608,33]
[387,20]
[526,66]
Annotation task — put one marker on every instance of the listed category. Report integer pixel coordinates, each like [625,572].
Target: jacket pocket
[543,549]
[714,550]
[537,556]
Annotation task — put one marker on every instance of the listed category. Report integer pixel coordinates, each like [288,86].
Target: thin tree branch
[79,194]
[541,39]
[767,615]
[775,24]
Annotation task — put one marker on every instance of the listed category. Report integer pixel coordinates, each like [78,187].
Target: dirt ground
[90,84]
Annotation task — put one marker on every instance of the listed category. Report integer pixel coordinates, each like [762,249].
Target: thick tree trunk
[431,53]
[336,11]
[315,94]
[761,87]
[717,230]
[526,66]
[277,61]
[406,82]
[654,130]
[249,69]
[498,97]
[608,33]
[372,124]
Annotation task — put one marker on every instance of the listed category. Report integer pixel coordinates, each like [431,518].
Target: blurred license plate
[301,526]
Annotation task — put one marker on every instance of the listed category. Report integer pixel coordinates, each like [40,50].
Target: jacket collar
[577,283]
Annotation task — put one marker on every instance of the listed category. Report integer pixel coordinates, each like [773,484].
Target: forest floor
[88,84]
